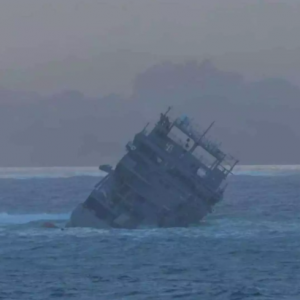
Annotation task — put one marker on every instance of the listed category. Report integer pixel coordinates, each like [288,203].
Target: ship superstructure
[165,179]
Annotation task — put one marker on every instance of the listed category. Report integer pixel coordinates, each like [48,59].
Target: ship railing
[101,182]
[212,145]
[227,160]
[229,163]
[230,160]
[196,132]
[193,129]
[180,167]
[203,160]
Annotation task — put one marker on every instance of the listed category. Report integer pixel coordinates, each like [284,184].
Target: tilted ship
[161,181]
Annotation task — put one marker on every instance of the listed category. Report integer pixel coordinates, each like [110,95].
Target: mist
[79,78]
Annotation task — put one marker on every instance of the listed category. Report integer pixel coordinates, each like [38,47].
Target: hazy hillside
[258,121]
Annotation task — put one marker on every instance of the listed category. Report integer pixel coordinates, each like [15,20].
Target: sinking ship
[170,176]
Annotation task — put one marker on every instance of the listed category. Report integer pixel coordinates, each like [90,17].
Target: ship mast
[201,137]
[169,108]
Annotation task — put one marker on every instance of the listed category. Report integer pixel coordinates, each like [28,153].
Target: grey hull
[84,217]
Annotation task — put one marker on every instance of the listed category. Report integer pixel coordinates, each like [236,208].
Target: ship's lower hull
[84,217]
[98,212]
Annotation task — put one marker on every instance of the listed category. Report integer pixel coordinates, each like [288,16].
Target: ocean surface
[249,248]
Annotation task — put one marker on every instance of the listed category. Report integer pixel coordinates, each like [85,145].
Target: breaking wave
[16,219]
[267,170]
[50,172]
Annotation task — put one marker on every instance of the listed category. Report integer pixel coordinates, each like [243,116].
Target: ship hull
[84,217]
[99,212]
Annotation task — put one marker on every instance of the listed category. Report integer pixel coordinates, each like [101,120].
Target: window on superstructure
[169,147]
[201,172]
[180,138]
[158,160]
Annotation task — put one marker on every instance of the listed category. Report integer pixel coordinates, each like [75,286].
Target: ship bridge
[193,133]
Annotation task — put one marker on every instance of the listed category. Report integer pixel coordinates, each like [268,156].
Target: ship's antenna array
[169,108]
[146,126]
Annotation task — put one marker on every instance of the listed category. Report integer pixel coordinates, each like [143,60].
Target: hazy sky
[98,46]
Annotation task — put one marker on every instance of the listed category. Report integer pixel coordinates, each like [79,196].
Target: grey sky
[98,46]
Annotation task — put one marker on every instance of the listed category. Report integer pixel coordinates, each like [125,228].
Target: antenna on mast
[201,137]
[144,129]
[207,130]
[169,108]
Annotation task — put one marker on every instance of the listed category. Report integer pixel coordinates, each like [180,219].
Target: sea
[248,248]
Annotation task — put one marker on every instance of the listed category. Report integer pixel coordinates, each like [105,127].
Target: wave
[15,219]
[49,172]
[67,172]
[267,170]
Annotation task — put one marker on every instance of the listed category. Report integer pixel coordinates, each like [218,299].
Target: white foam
[266,170]
[49,172]
[7,219]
